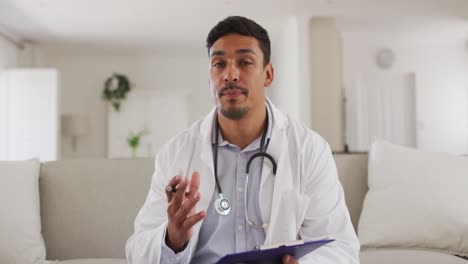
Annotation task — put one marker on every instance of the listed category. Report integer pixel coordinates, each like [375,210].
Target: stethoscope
[222,204]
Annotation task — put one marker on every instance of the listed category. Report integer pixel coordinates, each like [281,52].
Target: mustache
[232,86]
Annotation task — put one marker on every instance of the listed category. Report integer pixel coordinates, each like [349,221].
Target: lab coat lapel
[274,148]
[278,229]
[202,161]
[205,156]
[265,189]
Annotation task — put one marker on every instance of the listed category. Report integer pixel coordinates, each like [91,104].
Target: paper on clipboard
[275,254]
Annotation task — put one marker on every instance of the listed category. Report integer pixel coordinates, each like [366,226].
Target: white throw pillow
[20,223]
[416,199]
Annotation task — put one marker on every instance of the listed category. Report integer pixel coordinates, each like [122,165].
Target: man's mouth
[232,94]
[233,91]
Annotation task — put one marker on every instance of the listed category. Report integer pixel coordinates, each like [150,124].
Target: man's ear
[270,74]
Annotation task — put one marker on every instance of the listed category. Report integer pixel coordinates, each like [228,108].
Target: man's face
[238,76]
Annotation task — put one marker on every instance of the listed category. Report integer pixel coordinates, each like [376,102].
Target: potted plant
[134,140]
[116,88]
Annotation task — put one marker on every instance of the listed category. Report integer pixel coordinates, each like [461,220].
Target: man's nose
[231,74]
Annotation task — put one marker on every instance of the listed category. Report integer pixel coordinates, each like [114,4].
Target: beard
[234,113]
[230,111]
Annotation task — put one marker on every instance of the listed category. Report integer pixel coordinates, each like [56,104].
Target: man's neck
[244,131]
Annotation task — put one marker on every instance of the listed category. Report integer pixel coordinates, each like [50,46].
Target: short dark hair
[242,26]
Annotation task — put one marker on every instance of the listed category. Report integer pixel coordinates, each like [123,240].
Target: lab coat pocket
[285,224]
[300,203]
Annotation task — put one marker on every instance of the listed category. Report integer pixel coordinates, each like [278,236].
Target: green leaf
[116,106]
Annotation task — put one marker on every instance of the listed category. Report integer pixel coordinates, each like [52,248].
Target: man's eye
[218,64]
[245,62]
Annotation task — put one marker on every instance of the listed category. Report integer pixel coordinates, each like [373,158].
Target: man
[219,210]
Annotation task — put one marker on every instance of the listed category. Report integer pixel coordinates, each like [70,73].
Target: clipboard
[275,254]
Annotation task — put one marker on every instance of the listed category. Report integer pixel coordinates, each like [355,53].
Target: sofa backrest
[88,206]
[352,170]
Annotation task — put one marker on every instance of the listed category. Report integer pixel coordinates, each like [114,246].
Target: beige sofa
[88,208]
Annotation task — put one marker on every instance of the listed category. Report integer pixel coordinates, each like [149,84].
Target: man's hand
[181,211]
[288,259]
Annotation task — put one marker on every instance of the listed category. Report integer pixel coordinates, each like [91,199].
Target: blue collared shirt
[221,235]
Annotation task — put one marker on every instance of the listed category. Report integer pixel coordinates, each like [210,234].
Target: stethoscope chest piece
[222,205]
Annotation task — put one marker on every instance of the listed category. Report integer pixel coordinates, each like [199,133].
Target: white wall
[285,89]
[8,54]
[82,82]
[325,72]
[29,56]
[7,60]
[290,57]
[437,54]
[299,68]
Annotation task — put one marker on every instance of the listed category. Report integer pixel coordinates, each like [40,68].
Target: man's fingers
[180,194]
[192,220]
[194,184]
[187,207]
[175,180]
[288,259]
[182,206]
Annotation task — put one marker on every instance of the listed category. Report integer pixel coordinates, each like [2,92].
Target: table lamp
[75,126]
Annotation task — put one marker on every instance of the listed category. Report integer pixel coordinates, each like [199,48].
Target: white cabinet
[29,114]
[162,114]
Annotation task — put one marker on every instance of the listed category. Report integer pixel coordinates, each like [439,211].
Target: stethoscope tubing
[262,153]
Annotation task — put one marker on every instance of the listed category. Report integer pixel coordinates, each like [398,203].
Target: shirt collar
[222,142]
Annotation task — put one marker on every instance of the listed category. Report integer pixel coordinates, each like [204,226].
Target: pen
[174,189]
[171,189]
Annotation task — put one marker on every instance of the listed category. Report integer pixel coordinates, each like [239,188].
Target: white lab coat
[306,200]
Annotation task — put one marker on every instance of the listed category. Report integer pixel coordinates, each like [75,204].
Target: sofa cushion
[401,256]
[20,223]
[92,261]
[415,200]
[88,206]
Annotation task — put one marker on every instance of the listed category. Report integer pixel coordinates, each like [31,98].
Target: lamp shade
[75,125]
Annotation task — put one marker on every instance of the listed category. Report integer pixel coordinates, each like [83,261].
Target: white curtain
[381,105]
